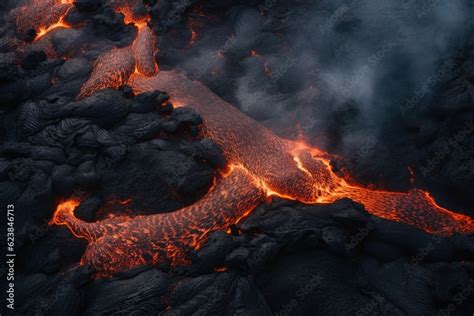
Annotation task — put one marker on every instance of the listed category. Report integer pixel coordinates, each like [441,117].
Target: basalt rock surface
[126,154]
[286,259]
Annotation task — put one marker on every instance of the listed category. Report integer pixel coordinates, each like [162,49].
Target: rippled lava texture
[271,165]
[260,165]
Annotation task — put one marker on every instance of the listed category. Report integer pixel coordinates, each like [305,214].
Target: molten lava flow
[42,16]
[111,70]
[416,207]
[144,52]
[43,31]
[293,170]
[129,9]
[244,141]
[261,164]
[45,43]
[122,243]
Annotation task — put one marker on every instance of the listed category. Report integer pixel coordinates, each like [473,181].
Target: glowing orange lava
[121,243]
[43,31]
[143,49]
[113,68]
[127,9]
[194,36]
[294,170]
[41,15]
[261,164]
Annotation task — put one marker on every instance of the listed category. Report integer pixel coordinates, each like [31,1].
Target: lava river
[261,164]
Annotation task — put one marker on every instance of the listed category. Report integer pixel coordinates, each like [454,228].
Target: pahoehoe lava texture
[111,70]
[292,170]
[143,48]
[275,166]
[278,167]
[122,243]
[171,201]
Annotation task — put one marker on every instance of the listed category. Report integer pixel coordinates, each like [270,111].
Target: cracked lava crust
[261,164]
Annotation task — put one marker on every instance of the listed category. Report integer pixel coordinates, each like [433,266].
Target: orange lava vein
[294,170]
[43,16]
[113,68]
[261,164]
[122,243]
[43,31]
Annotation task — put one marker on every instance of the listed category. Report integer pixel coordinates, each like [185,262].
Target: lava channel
[293,170]
[261,165]
[123,243]
[41,16]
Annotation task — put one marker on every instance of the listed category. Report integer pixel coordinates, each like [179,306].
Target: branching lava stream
[261,164]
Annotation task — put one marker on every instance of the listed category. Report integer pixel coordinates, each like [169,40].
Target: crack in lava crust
[40,16]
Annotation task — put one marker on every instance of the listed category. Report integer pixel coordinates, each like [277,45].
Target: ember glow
[122,243]
[43,31]
[194,25]
[144,52]
[261,165]
[294,170]
[42,16]
[113,68]
[126,8]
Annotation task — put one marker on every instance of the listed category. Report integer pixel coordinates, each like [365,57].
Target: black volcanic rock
[121,153]
[141,292]
[63,179]
[204,150]
[104,108]
[109,24]
[86,175]
[156,180]
[32,59]
[34,116]
[61,133]
[74,68]
[51,299]
[183,115]
[66,42]
[87,5]
[138,127]
[147,102]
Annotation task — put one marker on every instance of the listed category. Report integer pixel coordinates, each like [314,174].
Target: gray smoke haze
[342,68]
